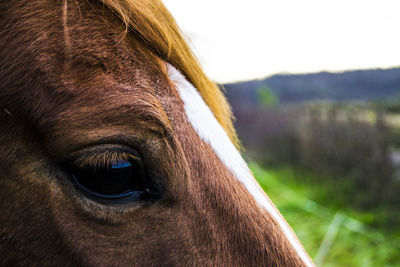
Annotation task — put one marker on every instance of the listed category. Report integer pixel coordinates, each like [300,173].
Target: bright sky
[240,40]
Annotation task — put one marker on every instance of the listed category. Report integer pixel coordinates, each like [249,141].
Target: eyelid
[103,159]
[102,155]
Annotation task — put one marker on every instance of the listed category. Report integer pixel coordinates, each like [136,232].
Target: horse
[117,150]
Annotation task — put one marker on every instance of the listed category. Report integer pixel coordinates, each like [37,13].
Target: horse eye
[115,180]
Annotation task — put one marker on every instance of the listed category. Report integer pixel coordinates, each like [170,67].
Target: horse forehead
[82,58]
[51,36]
[92,97]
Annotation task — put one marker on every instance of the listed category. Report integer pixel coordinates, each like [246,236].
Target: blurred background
[315,89]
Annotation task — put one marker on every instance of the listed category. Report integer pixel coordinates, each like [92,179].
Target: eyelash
[96,160]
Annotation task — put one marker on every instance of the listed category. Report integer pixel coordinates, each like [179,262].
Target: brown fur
[70,82]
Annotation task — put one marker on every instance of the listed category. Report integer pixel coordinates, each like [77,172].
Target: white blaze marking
[209,129]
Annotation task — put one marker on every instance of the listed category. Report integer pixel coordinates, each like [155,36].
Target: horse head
[117,150]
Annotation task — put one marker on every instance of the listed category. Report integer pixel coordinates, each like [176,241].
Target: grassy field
[332,234]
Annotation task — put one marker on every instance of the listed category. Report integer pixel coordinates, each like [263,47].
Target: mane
[154,25]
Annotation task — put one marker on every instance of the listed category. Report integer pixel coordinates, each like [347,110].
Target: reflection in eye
[120,164]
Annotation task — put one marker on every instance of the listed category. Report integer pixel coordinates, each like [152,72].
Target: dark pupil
[117,178]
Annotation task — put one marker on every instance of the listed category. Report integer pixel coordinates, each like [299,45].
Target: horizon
[310,73]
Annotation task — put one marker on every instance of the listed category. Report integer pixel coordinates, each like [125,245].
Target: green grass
[333,234]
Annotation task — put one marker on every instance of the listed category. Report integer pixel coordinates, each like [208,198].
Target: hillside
[345,86]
